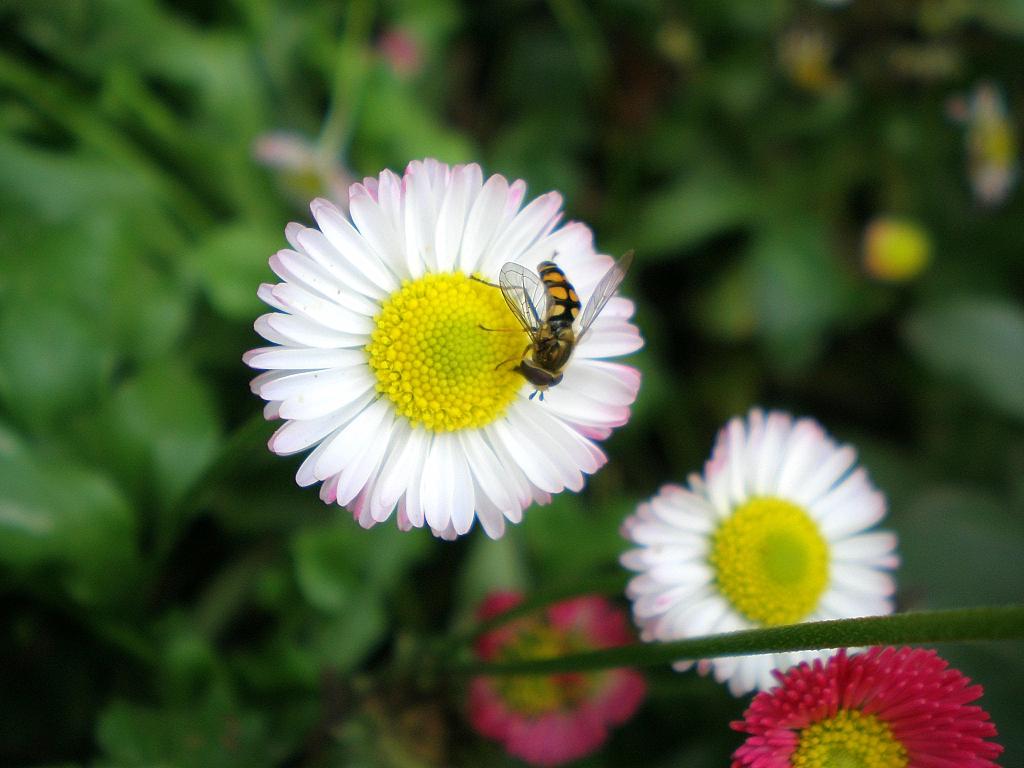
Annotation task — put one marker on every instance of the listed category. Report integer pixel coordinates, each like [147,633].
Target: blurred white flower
[992,162]
[774,532]
[303,171]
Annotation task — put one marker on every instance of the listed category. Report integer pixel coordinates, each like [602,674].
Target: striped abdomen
[565,304]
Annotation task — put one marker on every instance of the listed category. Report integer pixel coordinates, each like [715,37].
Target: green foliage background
[170,598]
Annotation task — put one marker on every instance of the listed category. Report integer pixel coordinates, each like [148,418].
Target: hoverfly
[547,309]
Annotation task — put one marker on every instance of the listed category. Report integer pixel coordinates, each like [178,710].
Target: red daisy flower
[553,719]
[885,708]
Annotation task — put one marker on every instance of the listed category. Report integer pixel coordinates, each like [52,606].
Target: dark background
[170,598]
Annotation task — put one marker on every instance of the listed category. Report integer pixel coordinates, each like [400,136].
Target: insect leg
[485,282]
[514,359]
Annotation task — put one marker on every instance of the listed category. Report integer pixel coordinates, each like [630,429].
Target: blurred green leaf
[1002,15]
[491,566]
[213,734]
[51,362]
[342,641]
[67,525]
[800,291]
[58,186]
[560,522]
[728,309]
[396,127]
[231,263]
[347,573]
[336,564]
[944,534]
[708,202]
[157,433]
[978,342]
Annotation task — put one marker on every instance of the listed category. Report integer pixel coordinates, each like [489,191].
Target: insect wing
[525,295]
[605,290]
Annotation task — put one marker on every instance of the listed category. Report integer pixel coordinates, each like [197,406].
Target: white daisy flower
[386,369]
[775,532]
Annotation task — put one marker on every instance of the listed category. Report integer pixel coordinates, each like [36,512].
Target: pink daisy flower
[553,719]
[885,708]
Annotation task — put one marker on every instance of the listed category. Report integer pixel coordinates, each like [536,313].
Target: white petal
[323,311]
[301,332]
[371,248]
[346,264]
[482,224]
[537,469]
[366,461]
[411,504]
[298,435]
[876,548]
[842,604]
[443,484]
[656,603]
[302,270]
[301,358]
[861,579]
[516,193]
[776,431]
[518,484]
[606,382]
[852,506]
[420,223]
[735,465]
[805,450]
[311,394]
[451,220]
[342,449]
[400,470]
[491,518]
[576,406]
[577,449]
[392,204]
[827,474]
[487,470]
[609,340]
[531,223]
[545,445]
[265,293]
[574,244]
[306,473]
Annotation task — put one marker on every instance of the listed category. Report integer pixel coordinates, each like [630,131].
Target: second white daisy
[776,531]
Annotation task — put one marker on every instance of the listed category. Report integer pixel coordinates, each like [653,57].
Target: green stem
[350,72]
[991,623]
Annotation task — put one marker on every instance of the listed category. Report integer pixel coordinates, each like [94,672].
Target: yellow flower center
[435,362]
[770,561]
[538,694]
[851,739]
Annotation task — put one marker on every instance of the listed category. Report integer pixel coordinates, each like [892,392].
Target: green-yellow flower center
[851,739]
[434,359]
[770,561]
[538,694]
